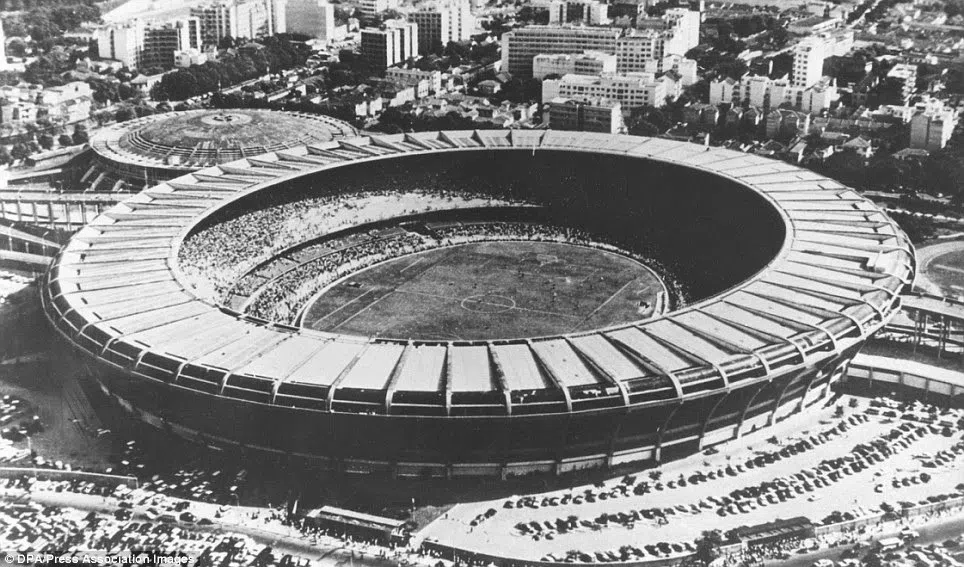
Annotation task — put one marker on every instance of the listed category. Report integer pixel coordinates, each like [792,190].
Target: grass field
[943,266]
[489,290]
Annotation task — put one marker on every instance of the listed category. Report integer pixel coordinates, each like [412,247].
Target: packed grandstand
[805,271]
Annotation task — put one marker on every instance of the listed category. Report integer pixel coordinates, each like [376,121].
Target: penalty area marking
[488,303]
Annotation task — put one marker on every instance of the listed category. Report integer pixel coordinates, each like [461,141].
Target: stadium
[134,155]
[489,303]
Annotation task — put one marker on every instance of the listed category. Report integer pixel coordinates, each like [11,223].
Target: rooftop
[195,139]
[840,266]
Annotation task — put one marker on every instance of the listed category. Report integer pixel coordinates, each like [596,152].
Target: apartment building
[520,46]
[631,90]
[589,115]
[588,63]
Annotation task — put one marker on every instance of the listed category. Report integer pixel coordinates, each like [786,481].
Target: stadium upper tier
[142,152]
[743,352]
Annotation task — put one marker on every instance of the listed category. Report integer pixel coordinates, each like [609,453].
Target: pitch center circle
[488,303]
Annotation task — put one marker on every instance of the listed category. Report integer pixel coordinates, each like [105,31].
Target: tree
[80,135]
[5,157]
[19,152]
[847,167]
[46,141]
[65,140]
[124,114]
[708,546]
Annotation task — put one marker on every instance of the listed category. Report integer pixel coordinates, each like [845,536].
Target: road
[282,540]
[934,533]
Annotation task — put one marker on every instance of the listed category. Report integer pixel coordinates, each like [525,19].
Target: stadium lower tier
[490,446]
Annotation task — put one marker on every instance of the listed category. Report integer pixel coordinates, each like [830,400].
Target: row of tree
[246,63]
[46,20]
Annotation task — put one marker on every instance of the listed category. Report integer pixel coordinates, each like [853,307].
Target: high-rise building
[278,10]
[137,44]
[634,51]
[450,20]
[588,63]
[395,42]
[461,21]
[433,29]
[315,18]
[122,42]
[931,127]
[808,56]
[370,8]
[407,38]
[686,23]
[238,19]
[3,50]
[520,46]
[586,115]
[163,41]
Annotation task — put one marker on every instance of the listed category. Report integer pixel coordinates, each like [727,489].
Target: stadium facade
[740,359]
[146,151]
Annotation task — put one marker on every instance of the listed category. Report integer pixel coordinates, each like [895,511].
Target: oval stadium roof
[115,288]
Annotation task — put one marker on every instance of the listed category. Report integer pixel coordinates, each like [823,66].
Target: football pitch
[489,291]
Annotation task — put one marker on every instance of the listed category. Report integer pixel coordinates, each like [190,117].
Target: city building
[18,112]
[520,46]
[189,57]
[450,20]
[931,127]
[424,82]
[68,103]
[394,43]
[687,69]
[3,50]
[635,51]
[904,78]
[586,115]
[315,18]
[762,91]
[238,19]
[370,8]
[122,42]
[588,63]
[686,22]
[589,12]
[784,124]
[631,90]
[162,41]
[433,29]
[407,37]
[808,56]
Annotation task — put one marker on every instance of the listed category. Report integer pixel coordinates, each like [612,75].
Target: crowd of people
[281,299]
[214,257]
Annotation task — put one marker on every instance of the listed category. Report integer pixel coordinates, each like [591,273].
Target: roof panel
[608,358]
[326,364]
[706,324]
[734,314]
[649,349]
[564,363]
[374,367]
[279,361]
[423,369]
[519,368]
[470,369]
[686,340]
